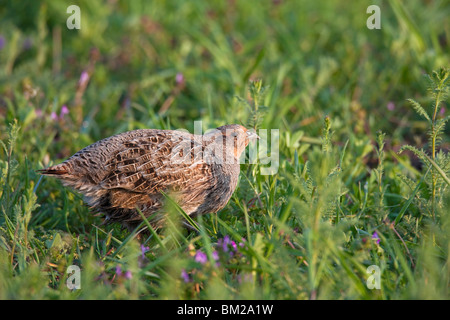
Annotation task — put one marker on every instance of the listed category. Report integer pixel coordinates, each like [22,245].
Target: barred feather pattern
[118,174]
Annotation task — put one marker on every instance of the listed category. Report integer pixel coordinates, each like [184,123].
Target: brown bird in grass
[132,170]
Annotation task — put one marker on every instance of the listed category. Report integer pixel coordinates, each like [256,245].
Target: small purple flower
[179,78]
[84,78]
[128,275]
[64,111]
[38,112]
[118,270]
[215,255]
[390,106]
[228,245]
[144,250]
[376,237]
[185,276]
[200,257]
[224,243]
[53,116]
[442,111]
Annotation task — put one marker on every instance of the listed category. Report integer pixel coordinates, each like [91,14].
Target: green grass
[344,98]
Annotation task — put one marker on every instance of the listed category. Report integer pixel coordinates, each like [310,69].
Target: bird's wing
[147,164]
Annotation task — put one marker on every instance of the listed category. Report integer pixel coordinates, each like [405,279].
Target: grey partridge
[133,169]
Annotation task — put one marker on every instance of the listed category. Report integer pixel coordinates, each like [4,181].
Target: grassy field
[357,208]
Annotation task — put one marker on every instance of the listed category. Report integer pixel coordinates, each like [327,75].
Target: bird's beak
[252,135]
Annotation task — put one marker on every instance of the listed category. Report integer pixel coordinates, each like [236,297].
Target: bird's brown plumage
[130,170]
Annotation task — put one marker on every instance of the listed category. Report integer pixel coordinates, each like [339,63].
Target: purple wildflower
[233,245]
[64,111]
[118,270]
[54,116]
[38,112]
[128,275]
[442,111]
[200,257]
[179,78]
[185,276]
[228,245]
[84,78]
[376,237]
[144,250]
[142,259]
[390,106]
[215,255]
[225,242]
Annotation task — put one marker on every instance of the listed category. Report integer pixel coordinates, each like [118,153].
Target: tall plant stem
[433,155]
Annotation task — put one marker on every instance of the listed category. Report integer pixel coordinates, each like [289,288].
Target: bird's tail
[58,170]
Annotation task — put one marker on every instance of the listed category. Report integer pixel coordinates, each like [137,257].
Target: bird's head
[237,137]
